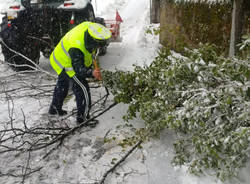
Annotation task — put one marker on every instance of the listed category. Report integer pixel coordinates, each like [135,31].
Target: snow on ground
[84,157]
[136,47]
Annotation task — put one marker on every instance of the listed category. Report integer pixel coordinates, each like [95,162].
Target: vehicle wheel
[32,51]
[13,40]
[91,14]
[46,47]
[46,52]
[103,51]
[100,21]
[19,63]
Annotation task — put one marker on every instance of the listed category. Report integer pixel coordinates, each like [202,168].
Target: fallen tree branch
[27,139]
[37,67]
[26,168]
[55,134]
[119,162]
[19,175]
[72,130]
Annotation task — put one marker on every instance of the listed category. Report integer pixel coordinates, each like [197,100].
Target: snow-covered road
[136,47]
[73,162]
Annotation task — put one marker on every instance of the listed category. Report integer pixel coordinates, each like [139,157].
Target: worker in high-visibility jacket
[72,60]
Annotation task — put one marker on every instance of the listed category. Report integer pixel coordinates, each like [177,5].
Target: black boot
[54,111]
[80,119]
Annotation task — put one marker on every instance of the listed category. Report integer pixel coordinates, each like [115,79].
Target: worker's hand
[97,74]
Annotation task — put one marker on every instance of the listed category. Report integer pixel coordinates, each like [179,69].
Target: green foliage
[245,46]
[200,95]
[113,161]
[153,30]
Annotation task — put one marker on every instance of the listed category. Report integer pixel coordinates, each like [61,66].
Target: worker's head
[96,36]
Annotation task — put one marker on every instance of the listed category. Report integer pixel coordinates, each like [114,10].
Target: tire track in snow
[135,47]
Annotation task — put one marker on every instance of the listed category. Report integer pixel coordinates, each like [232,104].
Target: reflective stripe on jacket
[60,58]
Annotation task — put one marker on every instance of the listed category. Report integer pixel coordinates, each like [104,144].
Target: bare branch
[37,67]
[119,162]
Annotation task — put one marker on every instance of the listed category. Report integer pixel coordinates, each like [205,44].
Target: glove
[97,74]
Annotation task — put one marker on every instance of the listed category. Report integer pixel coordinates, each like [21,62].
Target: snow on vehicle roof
[78,4]
[5,7]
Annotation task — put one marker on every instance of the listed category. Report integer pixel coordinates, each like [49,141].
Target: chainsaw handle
[96,65]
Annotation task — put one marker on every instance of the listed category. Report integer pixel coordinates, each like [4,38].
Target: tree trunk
[236,28]
[155,11]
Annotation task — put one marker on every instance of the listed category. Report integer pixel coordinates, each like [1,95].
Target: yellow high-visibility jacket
[60,58]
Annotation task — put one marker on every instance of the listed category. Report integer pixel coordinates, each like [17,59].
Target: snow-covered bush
[245,45]
[200,95]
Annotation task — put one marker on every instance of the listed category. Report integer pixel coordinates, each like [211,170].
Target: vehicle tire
[103,50]
[46,47]
[14,41]
[100,20]
[91,14]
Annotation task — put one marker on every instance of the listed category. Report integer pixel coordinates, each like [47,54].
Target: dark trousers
[81,91]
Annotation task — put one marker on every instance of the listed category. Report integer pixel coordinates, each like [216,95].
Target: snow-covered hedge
[189,22]
[245,45]
[202,96]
